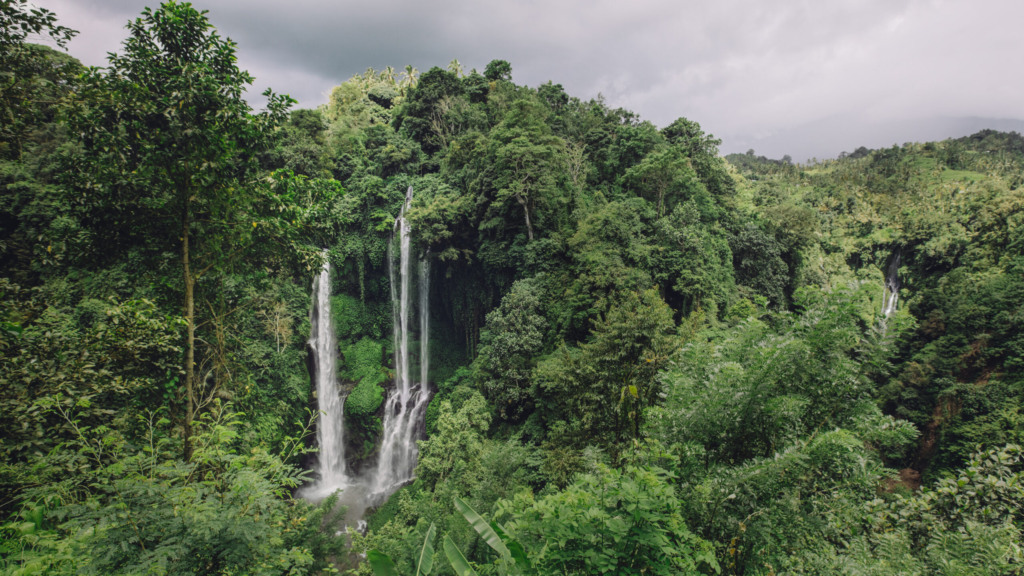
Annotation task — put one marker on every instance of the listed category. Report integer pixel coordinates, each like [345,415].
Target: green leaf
[457,560]
[426,562]
[482,528]
[514,547]
[381,563]
[616,525]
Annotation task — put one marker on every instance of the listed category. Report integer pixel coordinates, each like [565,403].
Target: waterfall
[407,402]
[890,291]
[891,287]
[330,428]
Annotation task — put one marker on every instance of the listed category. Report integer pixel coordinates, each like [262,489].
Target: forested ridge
[645,358]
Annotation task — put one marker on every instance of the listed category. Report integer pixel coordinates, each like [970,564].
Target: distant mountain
[828,137]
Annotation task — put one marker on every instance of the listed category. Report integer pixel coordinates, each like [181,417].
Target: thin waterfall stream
[407,403]
[891,288]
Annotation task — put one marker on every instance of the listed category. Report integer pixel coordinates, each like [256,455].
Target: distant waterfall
[407,403]
[891,287]
[330,428]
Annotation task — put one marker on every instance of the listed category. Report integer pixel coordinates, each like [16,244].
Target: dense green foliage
[132,214]
[645,358]
[610,522]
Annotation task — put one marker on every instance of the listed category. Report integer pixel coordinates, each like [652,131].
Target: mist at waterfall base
[407,401]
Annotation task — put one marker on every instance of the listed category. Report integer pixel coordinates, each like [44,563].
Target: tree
[692,261]
[610,254]
[410,78]
[455,449]
[526,160]
[498,70]
[171,147]
[434,110]
[225,512]
[666,177]
[756,388]
[100,365]
[600,393]
[27,70]
[514,334]
[455,67]
[757,257]
[702,150]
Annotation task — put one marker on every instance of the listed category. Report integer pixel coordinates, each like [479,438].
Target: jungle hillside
[645,357]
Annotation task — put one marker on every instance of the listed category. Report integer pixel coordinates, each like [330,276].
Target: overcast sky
[800,77]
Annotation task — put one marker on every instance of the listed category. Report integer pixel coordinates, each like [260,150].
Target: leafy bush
[145,512]
[610,522]
[363,366]
[355,319]
[362,363]
[968,523]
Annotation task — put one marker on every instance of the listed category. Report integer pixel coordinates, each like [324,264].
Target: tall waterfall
[891,288]
[407,403]
[330,428]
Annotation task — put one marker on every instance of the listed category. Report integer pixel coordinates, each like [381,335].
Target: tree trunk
[526,212]
[190,320]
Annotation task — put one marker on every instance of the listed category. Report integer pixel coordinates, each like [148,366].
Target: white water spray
[330,427]
[407,403]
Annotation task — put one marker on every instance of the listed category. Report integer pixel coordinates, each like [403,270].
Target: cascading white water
[405,407]
[406,404]
[331,426]
[891,288]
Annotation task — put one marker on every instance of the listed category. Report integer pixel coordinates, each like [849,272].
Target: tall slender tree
[171,150]
[410,78]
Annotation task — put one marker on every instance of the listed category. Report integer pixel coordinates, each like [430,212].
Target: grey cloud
[749,71]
